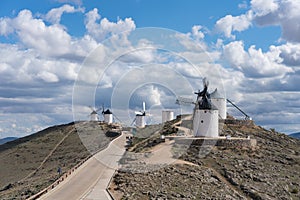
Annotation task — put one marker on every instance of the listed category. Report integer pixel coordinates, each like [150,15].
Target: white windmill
[140,117]
[205,115]
[167,115]
[108,116]
[220,102]
[94,114]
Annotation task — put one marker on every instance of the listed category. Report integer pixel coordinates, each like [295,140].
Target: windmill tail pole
[246,116]
[117,118]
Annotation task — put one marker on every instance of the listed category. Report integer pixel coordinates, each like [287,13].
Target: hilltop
[30,164]
[270,170]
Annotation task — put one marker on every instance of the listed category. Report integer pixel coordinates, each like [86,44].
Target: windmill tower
[206,115]
[94,114]
[107,115]
[220,102]
[167,115]
[140,117]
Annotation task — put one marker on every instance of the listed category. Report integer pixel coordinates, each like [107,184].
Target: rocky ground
[271,170]
[30,164]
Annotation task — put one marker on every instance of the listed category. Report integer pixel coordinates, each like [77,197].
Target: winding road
[90,180]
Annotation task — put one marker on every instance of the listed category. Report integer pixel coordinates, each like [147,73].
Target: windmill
[108,115]
[94,114]
[140,117]
[205,118]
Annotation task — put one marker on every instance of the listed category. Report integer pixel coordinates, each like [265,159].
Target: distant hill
[7,139]
[295,135]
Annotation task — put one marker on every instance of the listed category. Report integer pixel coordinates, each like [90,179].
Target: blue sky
[254,45]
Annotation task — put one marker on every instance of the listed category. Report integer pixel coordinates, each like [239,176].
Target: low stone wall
[222,141]
[239,122]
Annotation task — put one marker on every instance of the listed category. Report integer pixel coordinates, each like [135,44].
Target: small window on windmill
[201,121]
[205,111]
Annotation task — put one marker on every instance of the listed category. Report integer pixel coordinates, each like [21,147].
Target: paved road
[91,179]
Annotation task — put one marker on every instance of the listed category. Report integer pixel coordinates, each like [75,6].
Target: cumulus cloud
[264,7]
[229,24]
[290,53]
[48,77]
[283,13]
[54,15]
[5,26]
[104,28]
[253,62]
[48,40]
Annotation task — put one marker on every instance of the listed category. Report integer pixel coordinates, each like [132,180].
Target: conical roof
[216,95]
[107,112]
[94,112]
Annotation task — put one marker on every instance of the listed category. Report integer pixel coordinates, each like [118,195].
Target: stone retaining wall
[230,143]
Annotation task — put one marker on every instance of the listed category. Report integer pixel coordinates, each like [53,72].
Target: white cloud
[229,24]
[263,7]
[243,5]
[151,93]
[105,28]
[290,53]
[197,33]
[54,15]
[5,26]
[254,63]
[48,77]
[283,13]
[48,40]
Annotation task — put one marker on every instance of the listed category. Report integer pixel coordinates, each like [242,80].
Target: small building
[108,116]
[94,116]
[140,120]
[167,115]
[220,103]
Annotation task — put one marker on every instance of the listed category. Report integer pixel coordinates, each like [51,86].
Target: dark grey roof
[107,112]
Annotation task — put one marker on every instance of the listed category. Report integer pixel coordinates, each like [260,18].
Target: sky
[58,57]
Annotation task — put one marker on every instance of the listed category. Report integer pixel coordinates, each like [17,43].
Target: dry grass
[30,164]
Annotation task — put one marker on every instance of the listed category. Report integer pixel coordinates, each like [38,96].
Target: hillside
[271,170]
[30,164]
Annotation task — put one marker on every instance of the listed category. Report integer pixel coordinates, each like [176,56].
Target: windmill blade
[144,106]
[93,109]
[194,111]
[117,118]
[205,82]
[102,108]
[133,121]
[98,109]
[184,101]
[138,113]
